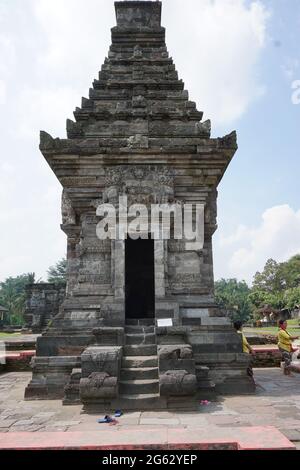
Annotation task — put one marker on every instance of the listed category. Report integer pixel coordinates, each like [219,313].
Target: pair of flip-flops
[109,420]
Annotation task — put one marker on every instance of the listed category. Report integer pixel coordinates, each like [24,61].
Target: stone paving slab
[160,421]
[7,423]
[277,406]
[253,438]
[156,438]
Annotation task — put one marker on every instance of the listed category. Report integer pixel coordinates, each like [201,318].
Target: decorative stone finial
[138,14]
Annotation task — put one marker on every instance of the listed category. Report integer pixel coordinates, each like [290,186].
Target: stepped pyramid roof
[138,105]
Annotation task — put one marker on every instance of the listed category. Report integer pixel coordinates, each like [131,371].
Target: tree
[278,276]
[292,298]
[233,296]
[278,285]
[270,279]
[290,272]
[260,298]
[13,296]
[57,273]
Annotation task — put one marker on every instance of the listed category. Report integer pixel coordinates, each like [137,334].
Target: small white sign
[165,322]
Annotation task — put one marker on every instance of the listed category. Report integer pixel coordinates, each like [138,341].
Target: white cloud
[291,68]
[50,52]
[7,54]
[217,46]
[248,248]
[217,54]
[2,92]
[77,37]
[7,63]
[45,109]
[31,240]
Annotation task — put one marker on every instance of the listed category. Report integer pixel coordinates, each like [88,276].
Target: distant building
[296,312]
[270,316]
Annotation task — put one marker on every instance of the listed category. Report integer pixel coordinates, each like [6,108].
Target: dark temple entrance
[139,279]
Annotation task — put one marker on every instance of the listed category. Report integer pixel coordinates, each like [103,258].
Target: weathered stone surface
[177,383]
[100,374]
[177,373]
[99,385]
[137,135]
[255,339]
[101,359]
[42,304]
[72,392]
[266,356]
[173,352]
[109,336]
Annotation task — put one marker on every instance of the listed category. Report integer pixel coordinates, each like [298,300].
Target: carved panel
[143,184]
[67,211]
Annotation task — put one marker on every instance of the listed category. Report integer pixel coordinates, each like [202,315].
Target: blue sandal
[106,419]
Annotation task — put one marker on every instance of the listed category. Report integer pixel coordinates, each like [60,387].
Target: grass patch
[295,322]
[272,330]
[9,335]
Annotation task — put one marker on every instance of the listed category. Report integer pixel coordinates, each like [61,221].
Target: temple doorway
[139,279]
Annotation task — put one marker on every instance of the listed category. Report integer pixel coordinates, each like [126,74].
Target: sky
[240,61]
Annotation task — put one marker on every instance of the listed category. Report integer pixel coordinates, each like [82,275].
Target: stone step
[139,362]
[135,373]
[138,387]
[142,350]
[140,339]
[143,402]
[74,324]
[135,329]
[54,332]
[141,322]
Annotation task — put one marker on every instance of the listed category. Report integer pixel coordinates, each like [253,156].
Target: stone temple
[137,135]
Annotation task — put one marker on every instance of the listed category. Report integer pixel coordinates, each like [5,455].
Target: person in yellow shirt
[238,325]
[285,346]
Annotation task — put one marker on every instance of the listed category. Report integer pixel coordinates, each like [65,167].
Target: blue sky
[238,59]
[267,164]
[265,171]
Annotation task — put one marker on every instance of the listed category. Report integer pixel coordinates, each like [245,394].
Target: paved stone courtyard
[276,403]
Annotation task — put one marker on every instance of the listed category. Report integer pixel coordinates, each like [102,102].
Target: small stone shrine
[138,135]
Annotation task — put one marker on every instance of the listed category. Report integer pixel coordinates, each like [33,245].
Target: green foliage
[13,296]
[278,285]
[234,297]
[270,279]
[278,276]
[290,272]
[260,298]
[57,273]
[292,297]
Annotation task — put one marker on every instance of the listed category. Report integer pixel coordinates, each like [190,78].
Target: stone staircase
[139,382]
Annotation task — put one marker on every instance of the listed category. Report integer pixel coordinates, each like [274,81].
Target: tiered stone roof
[138,104]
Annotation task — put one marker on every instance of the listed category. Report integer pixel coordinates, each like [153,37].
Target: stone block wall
[42,304]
